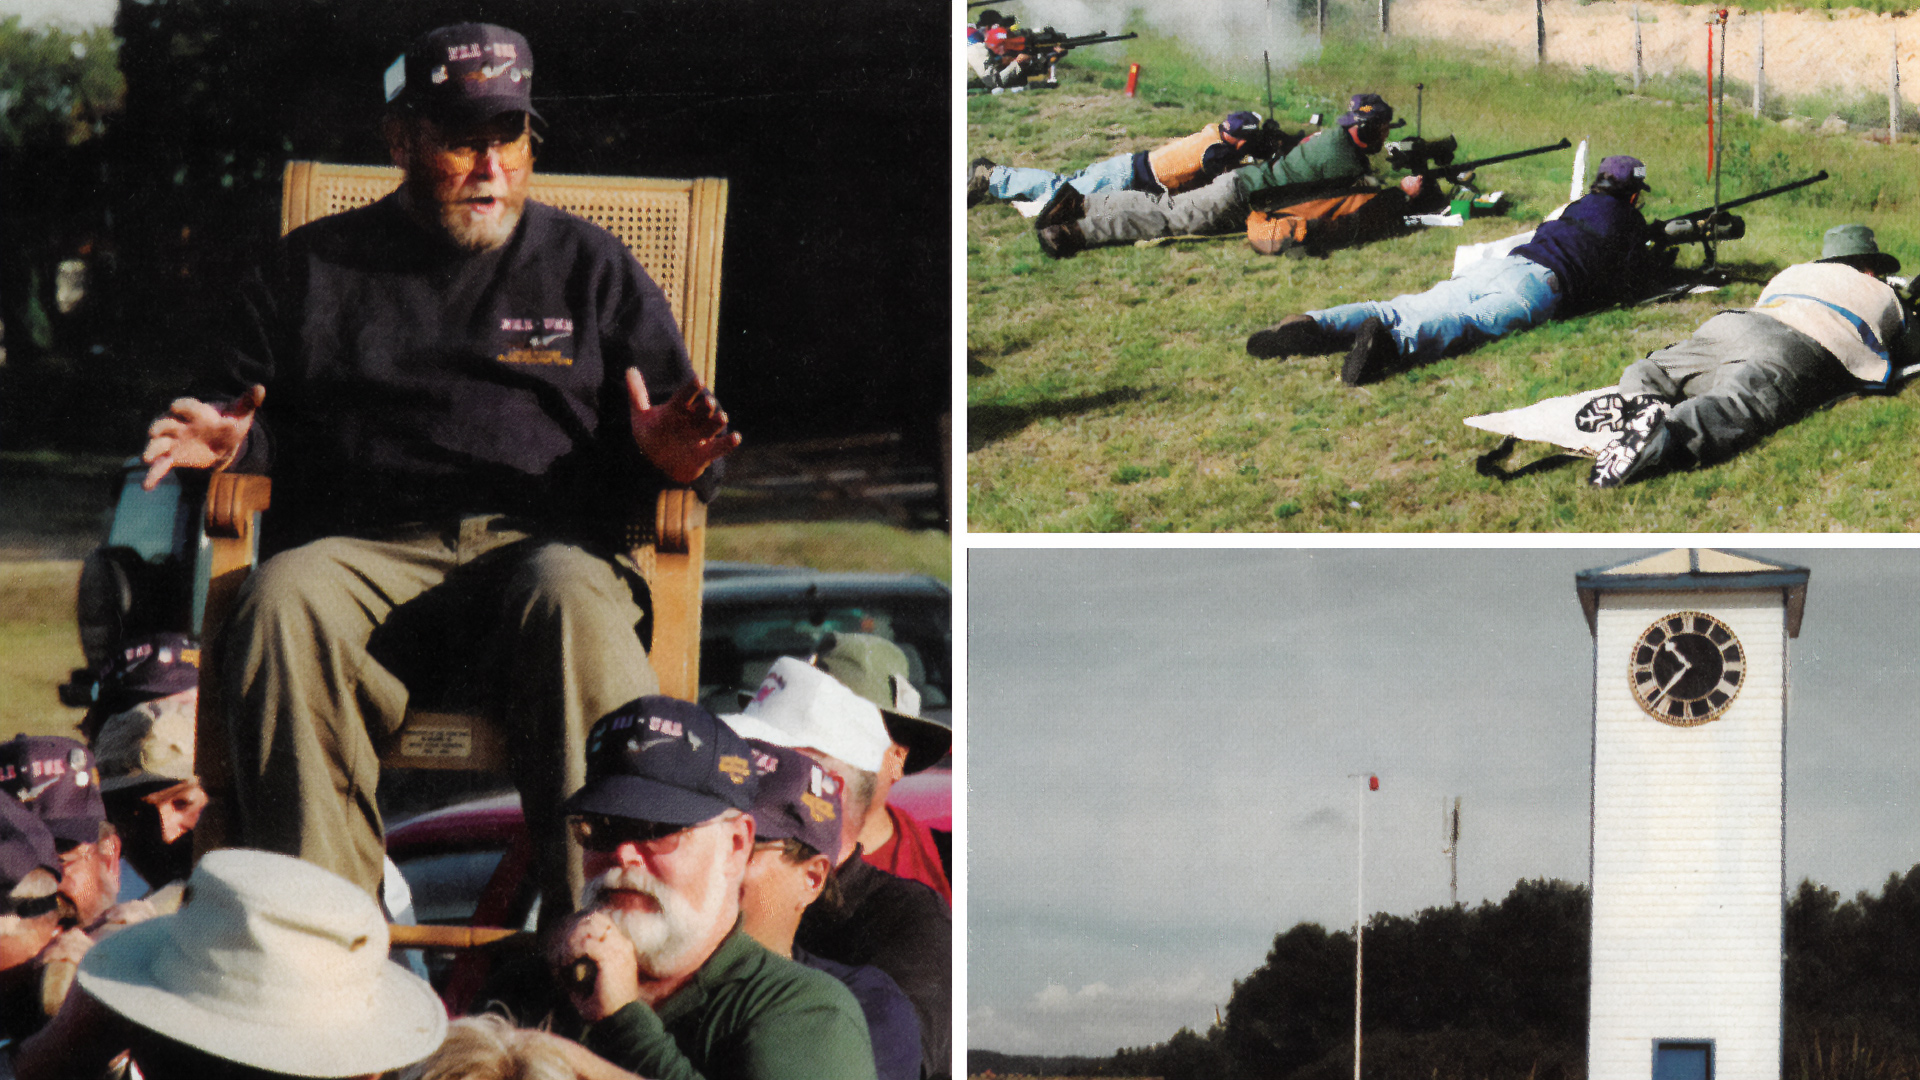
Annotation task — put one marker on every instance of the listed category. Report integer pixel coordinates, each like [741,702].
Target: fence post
[1760,69]
[1323,20]
[1383,18]
[1893,93]
[1539,31]
[1636,50]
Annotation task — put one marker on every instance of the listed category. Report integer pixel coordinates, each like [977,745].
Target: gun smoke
[1231,33]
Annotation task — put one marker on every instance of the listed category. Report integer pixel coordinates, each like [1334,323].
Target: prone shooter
[1005,57]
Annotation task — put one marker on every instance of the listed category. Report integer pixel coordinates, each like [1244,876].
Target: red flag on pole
[1373,783]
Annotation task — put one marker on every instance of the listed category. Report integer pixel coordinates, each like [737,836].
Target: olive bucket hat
[1855,246]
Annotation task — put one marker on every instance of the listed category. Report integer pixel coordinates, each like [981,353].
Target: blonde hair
[489,1047]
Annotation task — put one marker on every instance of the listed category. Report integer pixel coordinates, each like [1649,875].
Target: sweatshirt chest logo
[542,341]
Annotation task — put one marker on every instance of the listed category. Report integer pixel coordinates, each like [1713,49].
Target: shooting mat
[1549,421]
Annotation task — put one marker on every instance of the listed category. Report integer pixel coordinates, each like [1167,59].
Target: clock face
[1686,669]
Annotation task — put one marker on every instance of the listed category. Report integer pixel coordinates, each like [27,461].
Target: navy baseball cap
[798,799]
[1368,109]
[1628,172]
[25,845]
[467,73]
[145,668]
[54,777]
[661,759]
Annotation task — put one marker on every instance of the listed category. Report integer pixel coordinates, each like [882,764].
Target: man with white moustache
[901,927]
[656,964]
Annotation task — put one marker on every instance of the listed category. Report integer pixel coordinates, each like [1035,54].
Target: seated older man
[901,927]
[796,821]
[55,778]
[656,963]
[30,910]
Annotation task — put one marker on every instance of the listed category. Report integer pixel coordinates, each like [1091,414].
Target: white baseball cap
[800,706]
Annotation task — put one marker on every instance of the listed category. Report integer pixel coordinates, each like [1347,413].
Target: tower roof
[1695,568]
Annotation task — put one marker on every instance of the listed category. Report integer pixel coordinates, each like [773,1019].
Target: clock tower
[1688,872]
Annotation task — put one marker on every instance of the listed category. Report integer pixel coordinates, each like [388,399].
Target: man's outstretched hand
[196,435]
[684,435]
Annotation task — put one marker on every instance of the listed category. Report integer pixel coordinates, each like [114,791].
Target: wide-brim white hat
[275,963]
[800,706]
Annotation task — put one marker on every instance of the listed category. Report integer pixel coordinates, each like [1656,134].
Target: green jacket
[1325,161]
[747,1015]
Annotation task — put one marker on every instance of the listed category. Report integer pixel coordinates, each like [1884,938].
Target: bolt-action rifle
[1432,159]
[1713,223]
[1031,41]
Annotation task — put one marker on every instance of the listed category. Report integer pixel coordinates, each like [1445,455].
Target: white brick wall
[1687,852]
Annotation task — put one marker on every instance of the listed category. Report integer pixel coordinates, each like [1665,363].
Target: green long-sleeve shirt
[1326,160]
[747,1015]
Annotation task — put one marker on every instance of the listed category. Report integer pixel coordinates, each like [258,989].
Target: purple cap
[661,759]
[1241,124]
[25,845]
[798,799]
[1367,109]
[55,778]
[464,74]
[145,668]
[1628,172]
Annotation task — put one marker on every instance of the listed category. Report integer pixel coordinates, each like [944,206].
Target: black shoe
[1634,453]
[1295,335]
[1373,354]
[1066,206]
[977,174]
[1613,412]
[1062,241]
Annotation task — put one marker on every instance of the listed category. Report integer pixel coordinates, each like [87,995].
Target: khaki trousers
[327,637]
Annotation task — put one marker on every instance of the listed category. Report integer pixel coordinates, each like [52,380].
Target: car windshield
[737,646]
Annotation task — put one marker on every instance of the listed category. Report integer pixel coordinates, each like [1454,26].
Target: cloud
[1100,1016]
[1324,818]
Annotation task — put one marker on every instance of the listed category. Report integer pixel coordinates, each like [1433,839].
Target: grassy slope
[1113,391]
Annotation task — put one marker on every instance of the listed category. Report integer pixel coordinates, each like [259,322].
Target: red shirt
[911,854]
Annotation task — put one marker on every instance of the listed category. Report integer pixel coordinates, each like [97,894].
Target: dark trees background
[1499,992]
[830,121]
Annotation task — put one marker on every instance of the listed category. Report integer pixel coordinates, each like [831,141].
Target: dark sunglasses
[32,908]
[599,832]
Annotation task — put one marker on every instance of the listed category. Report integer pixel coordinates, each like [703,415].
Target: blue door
[1673,1060]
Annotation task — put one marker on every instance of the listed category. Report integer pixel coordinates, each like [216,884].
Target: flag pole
[1359,905]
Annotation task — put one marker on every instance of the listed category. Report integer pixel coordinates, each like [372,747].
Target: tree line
[1499,992]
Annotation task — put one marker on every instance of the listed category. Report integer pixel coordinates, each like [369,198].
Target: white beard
[478,234]
[663,940]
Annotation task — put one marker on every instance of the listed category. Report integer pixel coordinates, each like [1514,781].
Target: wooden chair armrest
[233,499]
[677,563]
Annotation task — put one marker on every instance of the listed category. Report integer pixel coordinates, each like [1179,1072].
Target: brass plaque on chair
[436,743]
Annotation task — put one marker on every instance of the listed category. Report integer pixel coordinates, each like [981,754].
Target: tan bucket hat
[271,962]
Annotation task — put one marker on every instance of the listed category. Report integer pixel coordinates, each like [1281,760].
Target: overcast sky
[76,13]
[1159,744]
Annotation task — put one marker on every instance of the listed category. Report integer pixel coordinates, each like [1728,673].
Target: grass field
[1113,392]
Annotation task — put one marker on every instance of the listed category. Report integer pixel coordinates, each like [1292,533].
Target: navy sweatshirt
[1597,247]
[407,380]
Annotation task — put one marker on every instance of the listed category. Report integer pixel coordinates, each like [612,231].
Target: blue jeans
[1490,298]
[1113,174]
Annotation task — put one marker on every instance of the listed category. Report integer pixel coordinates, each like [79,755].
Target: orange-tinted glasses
[460,153]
